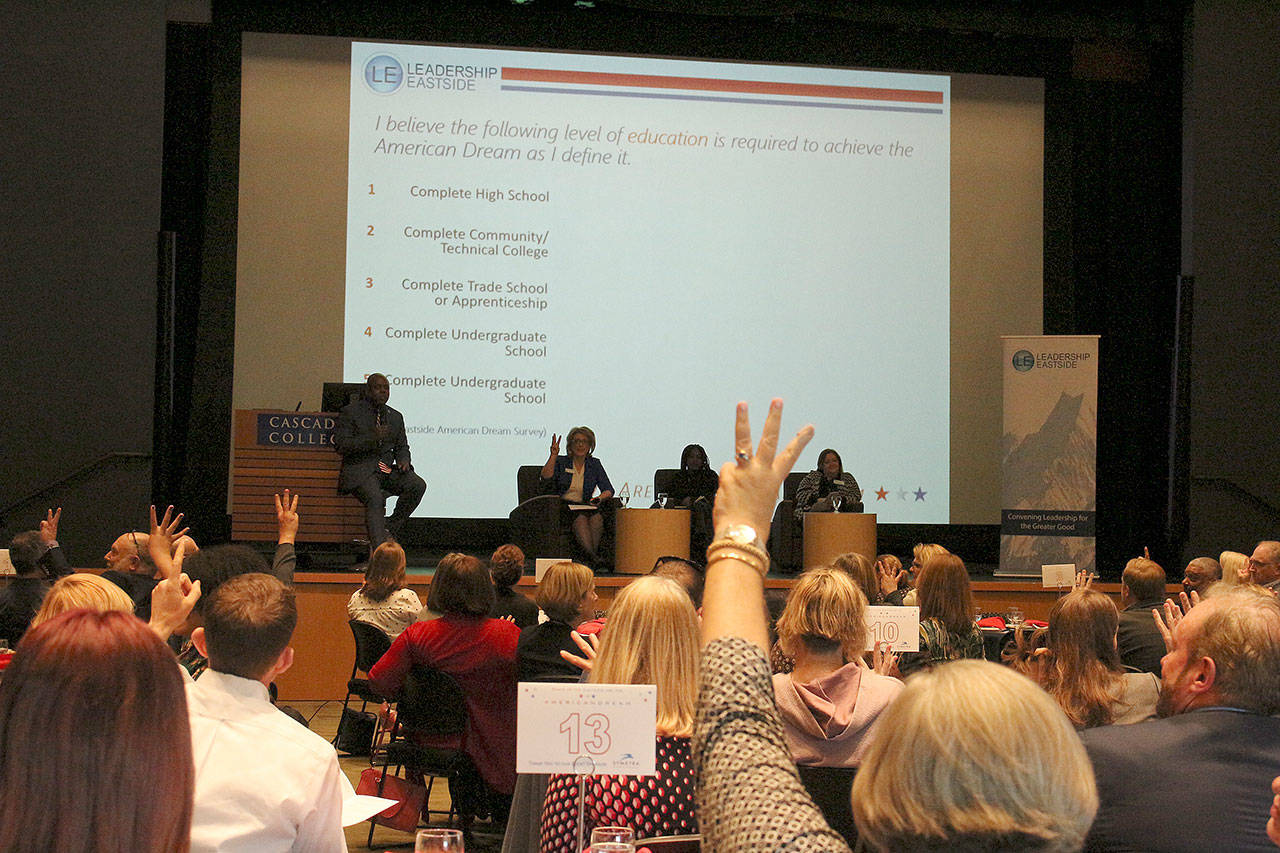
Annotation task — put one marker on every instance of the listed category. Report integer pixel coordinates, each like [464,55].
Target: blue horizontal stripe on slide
[557,90]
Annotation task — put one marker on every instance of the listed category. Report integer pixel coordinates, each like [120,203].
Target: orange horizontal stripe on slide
[711,84]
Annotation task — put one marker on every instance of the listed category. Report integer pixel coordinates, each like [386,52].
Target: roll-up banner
[1049,453]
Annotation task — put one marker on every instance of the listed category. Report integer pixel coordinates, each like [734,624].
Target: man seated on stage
[292,798]
[375,460]
[1201,775]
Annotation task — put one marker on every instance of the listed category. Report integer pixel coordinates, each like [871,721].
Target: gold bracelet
[747,559]
[745,547]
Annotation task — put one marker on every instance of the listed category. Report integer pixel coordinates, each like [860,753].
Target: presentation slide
[540,240]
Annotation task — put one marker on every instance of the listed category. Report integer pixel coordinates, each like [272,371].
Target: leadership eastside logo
[1023,361]
[383,74]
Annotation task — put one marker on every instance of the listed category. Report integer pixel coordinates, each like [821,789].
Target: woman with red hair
[95,743]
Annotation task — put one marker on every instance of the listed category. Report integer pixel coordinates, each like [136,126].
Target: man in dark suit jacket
[1138,638]
[1200,777]
[375,460]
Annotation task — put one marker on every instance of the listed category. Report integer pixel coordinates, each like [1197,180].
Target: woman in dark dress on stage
[694,486]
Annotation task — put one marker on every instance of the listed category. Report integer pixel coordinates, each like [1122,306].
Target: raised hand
[589,645]
[160,541]
[287,517]
[1084,580]
[749,485]
[49,526]
[1173,614]
[1273,824]
[555,444]
[175,595]
[884,661]
[890,581]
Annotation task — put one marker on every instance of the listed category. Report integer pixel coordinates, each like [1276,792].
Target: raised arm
[549,469]
[749,795]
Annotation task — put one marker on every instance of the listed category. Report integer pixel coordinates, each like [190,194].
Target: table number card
[899,626]
[1058,574]
[586,728]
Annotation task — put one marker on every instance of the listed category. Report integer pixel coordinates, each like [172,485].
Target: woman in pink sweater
[831,700]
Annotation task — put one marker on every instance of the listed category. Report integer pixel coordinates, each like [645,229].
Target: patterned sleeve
[852,492]
[807,493]
[749,795]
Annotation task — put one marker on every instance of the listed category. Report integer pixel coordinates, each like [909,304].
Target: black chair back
[371,644]
[528,482]
[830,787]
[431,702]
[662,478]
[792,484]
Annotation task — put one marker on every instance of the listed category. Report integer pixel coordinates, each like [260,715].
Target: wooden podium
[273,451]
[644,535]
[827,535]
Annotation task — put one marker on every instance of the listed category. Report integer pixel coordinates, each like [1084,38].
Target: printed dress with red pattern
[650,805]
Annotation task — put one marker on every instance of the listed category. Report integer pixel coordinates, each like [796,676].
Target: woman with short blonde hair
[1235,568]
[82,590]
[651,638]
[567,594]
[974,757]
[830,700]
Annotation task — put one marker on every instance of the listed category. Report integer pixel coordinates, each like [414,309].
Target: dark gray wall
[82,89]
[1231,244]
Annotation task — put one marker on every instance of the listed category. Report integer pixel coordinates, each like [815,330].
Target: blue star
[920,493]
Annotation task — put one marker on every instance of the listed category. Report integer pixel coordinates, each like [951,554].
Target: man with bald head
[1200,573]
[129,566]
[1265,565]
[375,460]
[1200,775]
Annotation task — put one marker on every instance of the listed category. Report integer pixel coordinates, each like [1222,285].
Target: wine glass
[662,500]
[438,841]
[625,499]
[835,502]
[612,835]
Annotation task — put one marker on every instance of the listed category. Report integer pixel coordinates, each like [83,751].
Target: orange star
[881,494]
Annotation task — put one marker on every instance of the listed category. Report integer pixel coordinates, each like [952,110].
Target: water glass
[438,841]
[1013,616]
[613,847]
[612,835]
[625,499]
[662,500]
[835,503]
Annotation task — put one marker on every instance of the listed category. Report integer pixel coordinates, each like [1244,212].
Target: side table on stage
[827,535]
[644,535]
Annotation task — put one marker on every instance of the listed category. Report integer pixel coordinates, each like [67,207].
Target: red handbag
[410,798]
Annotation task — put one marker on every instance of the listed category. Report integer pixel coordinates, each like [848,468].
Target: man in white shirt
[263,782]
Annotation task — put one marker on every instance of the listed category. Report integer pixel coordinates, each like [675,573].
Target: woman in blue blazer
[575,477]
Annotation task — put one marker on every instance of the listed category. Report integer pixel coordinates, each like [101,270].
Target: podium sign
[586,729]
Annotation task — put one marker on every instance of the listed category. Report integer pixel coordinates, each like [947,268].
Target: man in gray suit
[375,460]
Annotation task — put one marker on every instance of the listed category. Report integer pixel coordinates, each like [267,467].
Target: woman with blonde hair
[567,594]
[947,630]
[1080,666]
[383,600]
[1235,568]
[974,757]
[651,638]
[82,590]
[830,701]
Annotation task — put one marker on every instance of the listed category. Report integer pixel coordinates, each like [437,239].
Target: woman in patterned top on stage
[651,638]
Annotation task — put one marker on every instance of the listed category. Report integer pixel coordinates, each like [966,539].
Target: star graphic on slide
[902,494]
[881,494]
[920,493]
